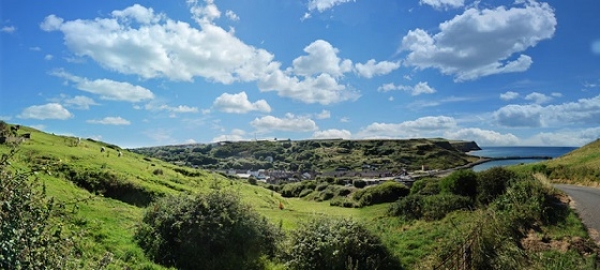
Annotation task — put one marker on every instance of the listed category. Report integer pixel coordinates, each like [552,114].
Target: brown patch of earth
[534,243]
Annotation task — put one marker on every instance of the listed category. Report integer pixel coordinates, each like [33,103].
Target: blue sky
[173,72]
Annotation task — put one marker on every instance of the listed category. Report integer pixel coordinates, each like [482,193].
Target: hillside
[106,195]
[319,155]
[581,166]
[109,192]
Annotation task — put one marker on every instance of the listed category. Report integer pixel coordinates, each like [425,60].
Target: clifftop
[465,146]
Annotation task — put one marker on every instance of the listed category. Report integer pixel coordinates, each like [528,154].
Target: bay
[516,151]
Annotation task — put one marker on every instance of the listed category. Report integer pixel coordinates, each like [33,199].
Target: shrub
[322,186]
[305,192]
[493,183]
[342,202]
[409,207]
[426,186]
[252,181]
[208,231]
[387,192]
[187,172]
[340,181]
[342,192]
[436,207]
[433,207]
[109,185]
[337,244]
[461,182]
[526,203]
[157,172]
[359,183]
[28,238]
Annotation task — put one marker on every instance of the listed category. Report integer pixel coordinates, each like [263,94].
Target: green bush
[432,207]
[342,202]
[461,182]
[29,239]
[409,207]
[359,183]
[337,244]
[426,186]
[322,186]
[295,189]
[492,183]
[436,207]
[305,192]
[252,181]
[342,192]
[339,181]
[109,185]
[526,202]
[208,231]
[389,191]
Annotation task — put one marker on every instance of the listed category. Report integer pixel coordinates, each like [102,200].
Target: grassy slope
[586,156]
[580,166]
[107,224]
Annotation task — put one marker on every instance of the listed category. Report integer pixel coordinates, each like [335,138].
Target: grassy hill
[580,166]
[319,155]
[107,195]
[109,192]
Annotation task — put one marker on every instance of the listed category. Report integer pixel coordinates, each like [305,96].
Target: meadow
[106,195]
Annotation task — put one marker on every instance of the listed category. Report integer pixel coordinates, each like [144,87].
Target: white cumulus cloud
[324,114]
[110,121]
[417,89]
[173,109]
[519,115]
[482,42]
[80,102]
[107,89]
[322,5]
[231,15]
[372,68]
[332,134]
[322,58]
[8,29]
[47,111]
[538,98]
[443,3]
[421,127]
[239,103]
[290,123]
[509,95]
[583,111]
[139,41]
[483,137]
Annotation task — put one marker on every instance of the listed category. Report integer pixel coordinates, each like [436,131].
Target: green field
[105,213]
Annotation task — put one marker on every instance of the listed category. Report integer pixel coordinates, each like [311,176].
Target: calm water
[516,151]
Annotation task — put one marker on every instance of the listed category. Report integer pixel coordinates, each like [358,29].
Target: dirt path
[587,205]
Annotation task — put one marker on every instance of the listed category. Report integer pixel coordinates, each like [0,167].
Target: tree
[207,231]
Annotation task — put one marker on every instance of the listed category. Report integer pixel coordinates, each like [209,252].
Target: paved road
[587,204]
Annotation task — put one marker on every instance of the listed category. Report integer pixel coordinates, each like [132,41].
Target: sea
[516,151]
